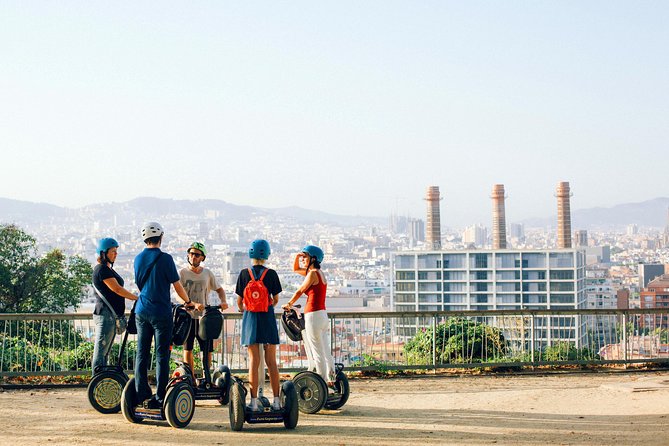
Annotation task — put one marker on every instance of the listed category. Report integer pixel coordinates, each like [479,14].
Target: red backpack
[256,296]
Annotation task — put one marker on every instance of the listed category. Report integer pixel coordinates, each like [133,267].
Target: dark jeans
[151,327]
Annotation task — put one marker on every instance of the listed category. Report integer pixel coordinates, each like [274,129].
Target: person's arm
[296,265]
[181,292]
[240,303]
[221,295]
[310,280]
[113,285]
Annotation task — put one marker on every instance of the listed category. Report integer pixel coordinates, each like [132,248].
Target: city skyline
[365,105]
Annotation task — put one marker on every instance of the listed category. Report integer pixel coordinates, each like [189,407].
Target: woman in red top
[316,323]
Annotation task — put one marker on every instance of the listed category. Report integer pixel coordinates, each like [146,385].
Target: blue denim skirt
[259,328]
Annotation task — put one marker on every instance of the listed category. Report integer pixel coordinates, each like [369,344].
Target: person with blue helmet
[260,327]
[108,285]
[155,275]
[316,332]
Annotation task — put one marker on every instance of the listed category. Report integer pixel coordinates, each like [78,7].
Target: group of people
[156,275]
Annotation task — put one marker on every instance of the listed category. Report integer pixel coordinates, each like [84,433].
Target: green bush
[565,351]
[20,355]
[458,340]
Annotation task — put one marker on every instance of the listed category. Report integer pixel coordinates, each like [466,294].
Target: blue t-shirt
[155,295]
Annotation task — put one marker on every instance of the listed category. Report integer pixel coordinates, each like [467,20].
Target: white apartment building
[492,280]
[600,293]
[476,235]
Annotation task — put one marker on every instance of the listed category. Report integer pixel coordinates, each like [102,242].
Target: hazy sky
[346,107]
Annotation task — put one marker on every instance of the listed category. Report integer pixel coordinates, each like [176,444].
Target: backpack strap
[148,272]
[253,274]
[102,297]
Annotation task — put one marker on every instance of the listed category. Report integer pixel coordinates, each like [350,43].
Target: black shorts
[192,334]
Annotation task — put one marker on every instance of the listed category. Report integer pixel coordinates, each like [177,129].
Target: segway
[216,387]
[106,386]
[240,412]
[313,393]
[179,404]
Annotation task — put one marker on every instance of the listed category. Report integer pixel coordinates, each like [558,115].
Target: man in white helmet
[155,273]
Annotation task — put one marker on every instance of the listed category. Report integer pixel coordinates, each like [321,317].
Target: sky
[351,108]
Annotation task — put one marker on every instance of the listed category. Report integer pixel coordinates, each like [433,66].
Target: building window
[405,275]
[480,260]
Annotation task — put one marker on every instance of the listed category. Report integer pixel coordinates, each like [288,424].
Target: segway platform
[178,408]
[241,413]
[209,387]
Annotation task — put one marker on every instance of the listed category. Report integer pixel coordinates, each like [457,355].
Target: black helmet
[293,324]
[181,327]
[210,324]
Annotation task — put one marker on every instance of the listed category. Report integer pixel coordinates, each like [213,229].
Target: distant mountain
[646,213]
[150,208]
[16,211]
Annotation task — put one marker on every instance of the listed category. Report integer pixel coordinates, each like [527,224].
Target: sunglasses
[195,254]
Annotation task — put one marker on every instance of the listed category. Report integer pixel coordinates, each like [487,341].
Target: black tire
[129,401]
[290,405]
[312,391]
[223,382]
[179,405]
[342,391]
[104,392]
[237,409]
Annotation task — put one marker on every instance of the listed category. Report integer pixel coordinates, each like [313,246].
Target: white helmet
[151,229]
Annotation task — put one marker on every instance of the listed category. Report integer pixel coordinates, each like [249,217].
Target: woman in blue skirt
[256,298]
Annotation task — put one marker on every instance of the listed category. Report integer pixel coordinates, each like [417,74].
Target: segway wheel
[222,381]
[104,392]
[129,401]
[237,410]
[179,405]
[290,405]
[312,391]
[342,391]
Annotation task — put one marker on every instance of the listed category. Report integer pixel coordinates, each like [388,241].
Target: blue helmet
[259,249]
[105,244]
[315,252]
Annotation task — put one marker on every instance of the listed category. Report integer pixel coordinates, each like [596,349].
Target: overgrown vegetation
[457,340]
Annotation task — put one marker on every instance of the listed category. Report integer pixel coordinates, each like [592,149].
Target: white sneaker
[253,407]
[276,405]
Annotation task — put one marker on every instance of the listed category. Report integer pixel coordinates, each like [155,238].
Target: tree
[33,284]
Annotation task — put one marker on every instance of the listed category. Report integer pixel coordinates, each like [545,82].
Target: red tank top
[316,296]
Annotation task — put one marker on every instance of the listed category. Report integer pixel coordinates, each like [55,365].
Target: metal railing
[62,344]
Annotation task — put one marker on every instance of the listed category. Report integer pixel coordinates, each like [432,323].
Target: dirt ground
[570,409]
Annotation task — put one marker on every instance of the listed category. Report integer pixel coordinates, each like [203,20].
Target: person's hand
[240,308]
[224,306]
[199,307]
[190,305]
[286,307]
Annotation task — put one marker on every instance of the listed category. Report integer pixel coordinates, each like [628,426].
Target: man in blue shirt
[155,271]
